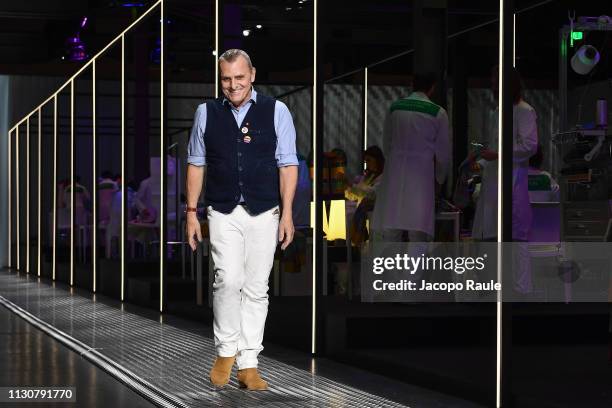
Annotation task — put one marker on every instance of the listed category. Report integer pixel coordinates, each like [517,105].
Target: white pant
[242,247]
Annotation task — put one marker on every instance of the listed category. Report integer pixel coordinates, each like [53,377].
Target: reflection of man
[417,148]
[247,143]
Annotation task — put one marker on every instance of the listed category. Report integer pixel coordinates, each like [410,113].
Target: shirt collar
[253,98]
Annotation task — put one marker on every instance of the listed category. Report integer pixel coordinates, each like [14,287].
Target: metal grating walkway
[173,361]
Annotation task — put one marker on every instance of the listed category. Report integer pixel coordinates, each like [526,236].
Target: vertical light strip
[53,183]
[500,96]
[365,111]
[123,178]
[315,226]
[216,48]
[71,182]
[162,212]
[17,207]
[27,195]
[514,41]
[94,246]
[38,216]
[10,199]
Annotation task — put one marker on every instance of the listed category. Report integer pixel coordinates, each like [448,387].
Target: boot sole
[244,386]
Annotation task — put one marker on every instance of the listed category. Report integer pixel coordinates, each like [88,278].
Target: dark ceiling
[356,33]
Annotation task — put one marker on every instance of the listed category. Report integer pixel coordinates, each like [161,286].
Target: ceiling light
[74,46]
[246,33]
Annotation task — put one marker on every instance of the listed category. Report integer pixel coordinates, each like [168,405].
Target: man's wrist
[191,212]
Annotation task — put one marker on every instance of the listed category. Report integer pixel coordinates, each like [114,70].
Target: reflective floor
[173,357]
[31,358]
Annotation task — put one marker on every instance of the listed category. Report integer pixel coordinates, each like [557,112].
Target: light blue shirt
[283,125]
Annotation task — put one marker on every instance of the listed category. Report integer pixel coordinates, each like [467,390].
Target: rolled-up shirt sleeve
[285,133]
[196,151]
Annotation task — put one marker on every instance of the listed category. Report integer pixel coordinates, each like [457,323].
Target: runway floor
[30,357]
[166,359]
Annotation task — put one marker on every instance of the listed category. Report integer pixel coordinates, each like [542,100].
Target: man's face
[236,80]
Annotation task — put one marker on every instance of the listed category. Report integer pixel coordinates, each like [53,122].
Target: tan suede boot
[249,378]
[221,371]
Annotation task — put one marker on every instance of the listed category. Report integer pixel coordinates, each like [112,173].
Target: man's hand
[195,178]
[193,229]
[288,183]
[286,230]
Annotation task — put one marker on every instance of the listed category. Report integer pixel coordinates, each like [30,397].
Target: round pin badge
[247,139]
[244,129]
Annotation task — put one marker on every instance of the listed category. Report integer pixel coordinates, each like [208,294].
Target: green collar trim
[415,105]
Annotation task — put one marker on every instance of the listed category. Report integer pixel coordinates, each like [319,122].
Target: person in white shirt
[416,146]
[525,142]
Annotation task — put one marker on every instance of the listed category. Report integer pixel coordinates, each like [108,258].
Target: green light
[577,35]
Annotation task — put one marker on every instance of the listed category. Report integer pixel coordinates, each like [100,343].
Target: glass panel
[108,171]
[32,207]
[22,190]
[83,165]
[14,195]
[47,188]
[563,196]
[190,82]
[14,199]
[142,162]
[389,192]
[63,231]
[289,80]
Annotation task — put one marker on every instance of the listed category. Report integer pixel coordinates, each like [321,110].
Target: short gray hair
[232,54]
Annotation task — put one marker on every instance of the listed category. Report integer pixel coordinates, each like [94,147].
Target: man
[417,150]
[245,144]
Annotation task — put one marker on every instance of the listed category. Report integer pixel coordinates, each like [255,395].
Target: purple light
[76,49]
[84,22]
[132,4]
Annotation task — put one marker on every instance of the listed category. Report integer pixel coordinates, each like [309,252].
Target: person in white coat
[525,143]
[417,149]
